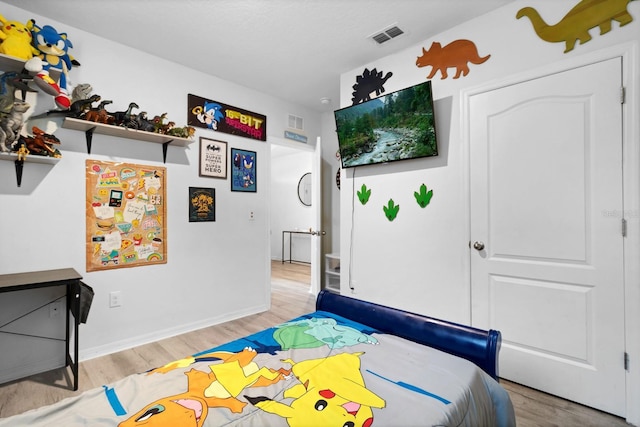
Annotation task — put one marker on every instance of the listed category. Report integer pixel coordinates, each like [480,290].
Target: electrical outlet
[55,308]
[115,299]
[252,216]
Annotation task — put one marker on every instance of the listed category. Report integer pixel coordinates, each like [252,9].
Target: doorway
[547,260]
[290,213]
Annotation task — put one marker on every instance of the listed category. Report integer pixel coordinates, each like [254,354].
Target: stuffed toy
[53,50]
[16,40]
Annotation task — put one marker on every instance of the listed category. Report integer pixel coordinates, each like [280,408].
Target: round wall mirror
[304,189]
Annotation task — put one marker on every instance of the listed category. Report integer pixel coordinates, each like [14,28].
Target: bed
[350,363]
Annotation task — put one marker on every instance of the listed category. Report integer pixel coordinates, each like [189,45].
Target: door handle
[316,233]
[478,246]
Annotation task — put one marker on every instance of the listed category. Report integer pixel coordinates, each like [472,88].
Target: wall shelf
[90,128]
[29,159]
[11,63]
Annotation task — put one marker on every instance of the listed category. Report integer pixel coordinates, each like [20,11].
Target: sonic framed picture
[213,158]
[243,170]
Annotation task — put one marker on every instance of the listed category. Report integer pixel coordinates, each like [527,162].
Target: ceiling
[293,49]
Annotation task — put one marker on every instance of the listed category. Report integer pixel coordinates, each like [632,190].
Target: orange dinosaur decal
[216,389]
[457,54]
[331,393]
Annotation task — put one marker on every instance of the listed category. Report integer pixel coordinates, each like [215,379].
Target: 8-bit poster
[220,117]
[125,215]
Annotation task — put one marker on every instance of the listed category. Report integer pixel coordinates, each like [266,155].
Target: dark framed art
[213,158]
[202,204]
[243,170]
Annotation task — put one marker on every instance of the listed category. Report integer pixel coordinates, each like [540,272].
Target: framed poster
[202,204]
[213,158]
[224,118]
[125,215]
[243,170]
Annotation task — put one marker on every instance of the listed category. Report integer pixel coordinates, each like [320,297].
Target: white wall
[216,271]
[429,248]
[419,262]
[288,165]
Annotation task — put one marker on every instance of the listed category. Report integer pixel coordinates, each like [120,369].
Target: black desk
[40,279]
[290,233]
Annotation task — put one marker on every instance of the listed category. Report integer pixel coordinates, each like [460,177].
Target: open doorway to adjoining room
[291,213]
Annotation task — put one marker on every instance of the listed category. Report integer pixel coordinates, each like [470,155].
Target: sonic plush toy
[53,50]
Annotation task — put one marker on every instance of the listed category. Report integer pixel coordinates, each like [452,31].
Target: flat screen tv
[397,126]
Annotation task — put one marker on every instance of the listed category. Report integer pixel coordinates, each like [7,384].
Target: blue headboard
[476,345]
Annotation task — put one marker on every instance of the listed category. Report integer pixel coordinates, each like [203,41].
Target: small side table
[290,233]
[41,279]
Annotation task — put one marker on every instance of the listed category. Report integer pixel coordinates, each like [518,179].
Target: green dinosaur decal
[364,194]
[423,197]
[391,210]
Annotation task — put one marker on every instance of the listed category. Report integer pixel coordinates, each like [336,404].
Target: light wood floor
[290,298]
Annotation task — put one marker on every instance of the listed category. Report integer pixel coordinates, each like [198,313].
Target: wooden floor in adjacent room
[290,298]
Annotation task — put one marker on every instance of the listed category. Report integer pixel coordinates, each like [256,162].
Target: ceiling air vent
[387,34]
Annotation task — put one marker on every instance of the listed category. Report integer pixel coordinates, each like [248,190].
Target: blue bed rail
[476,345]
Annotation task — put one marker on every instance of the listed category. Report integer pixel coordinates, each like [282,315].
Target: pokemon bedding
[318,370]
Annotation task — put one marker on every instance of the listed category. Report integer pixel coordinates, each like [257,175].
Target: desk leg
[283,247]
[76,334]
[73,309]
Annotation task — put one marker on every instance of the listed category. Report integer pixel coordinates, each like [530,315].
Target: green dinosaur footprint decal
[391,210]
[364,194]
[423,197]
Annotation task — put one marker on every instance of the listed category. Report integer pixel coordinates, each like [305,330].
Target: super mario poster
[243,170]
[125,215]
[220,117]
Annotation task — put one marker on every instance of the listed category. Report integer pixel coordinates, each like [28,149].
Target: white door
[546,223]
[316,206]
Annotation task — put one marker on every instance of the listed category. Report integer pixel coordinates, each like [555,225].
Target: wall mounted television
[397,126]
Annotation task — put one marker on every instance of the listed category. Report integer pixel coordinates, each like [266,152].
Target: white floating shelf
[91,128]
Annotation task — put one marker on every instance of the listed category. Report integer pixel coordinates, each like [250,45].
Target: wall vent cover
[387,34]
[295,122]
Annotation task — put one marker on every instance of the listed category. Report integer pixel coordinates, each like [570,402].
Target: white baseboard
[114,347]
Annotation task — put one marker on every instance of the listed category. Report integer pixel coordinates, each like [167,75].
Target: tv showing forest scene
[396,126]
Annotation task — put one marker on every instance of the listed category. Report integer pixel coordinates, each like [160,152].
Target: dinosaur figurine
[11,125]
[76,110]
[575,25]
[10,82]
[122,117]
[42,143]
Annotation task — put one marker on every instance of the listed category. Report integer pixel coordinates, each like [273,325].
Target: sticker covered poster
[125,214]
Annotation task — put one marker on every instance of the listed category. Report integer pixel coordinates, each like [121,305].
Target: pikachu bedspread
[317,370]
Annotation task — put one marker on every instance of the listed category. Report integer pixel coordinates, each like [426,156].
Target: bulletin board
[125,215]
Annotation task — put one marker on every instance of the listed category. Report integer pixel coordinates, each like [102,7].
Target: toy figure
[10,82]
[41,143]
[53,48]
[16,40]
[11,125]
